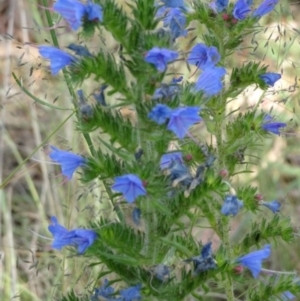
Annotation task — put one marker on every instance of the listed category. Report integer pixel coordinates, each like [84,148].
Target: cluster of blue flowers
[107,292]
[75,13]
[253,261]
[80,238]
[242,8]
[177,120]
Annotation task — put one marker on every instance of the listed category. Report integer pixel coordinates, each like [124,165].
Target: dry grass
[29,269]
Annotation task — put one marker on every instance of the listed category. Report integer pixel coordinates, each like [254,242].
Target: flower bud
[223,173]
[259,196]
[238,269]
[225,17]
[188,157]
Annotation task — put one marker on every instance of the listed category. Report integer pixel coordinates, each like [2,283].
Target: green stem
[224,233]
[226,241]
[219,138]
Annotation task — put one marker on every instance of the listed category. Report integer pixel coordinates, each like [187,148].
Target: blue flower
[93,12]
[173,3]
[203,56]
[136,215]
[219,5]
[181,119]
[204,261]
[104,291]
[241,9]
[161,272]
[176,21]
[270,78]
[72,11]
[58,58]
[130,186]
[253,260]
[160,57]
[79,50]
[80,238]
[161,12]
[287,296]
[131,293]
[160,113]
[166,91]
[274,206]
[210,81]
[176,80]
[85,109]
[179,173]
[273,127]
[167,159]
[99,95]
[68,161]
[231,205]
[265,7]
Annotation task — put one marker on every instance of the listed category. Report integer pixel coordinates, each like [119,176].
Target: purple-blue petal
[181,119]
[218,5]
[287,296]
[68,161]
[131,293]
[272,127]
[130,186]
[173,3]
[203,56]
[210,81]
[206,250]
[167,159]
[103,291]
[231,205]
[161,272]
[274,206]
[270,78]
[241,9]
[56,229]
[72,11]
[265,7]
[94,12]
[58,58]
[136,215]
[160,113]
[168,91]
[160,57]
[176,21]
[80,238]
[253,260]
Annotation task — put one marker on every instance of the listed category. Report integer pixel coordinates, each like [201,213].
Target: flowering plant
[159,164]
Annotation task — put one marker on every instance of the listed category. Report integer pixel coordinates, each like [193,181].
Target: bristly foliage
[274,286]
[108,70]
[72,297]
[265,231]
[111,122]
[242,77]
[154,242]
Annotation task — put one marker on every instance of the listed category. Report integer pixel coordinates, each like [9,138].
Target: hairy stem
[224,233]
